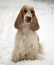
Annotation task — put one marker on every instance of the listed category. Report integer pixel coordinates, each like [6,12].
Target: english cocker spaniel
[27,46]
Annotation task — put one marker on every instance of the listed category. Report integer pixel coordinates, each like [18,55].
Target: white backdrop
[9,10]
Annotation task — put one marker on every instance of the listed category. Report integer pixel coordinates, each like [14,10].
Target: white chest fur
[26,40]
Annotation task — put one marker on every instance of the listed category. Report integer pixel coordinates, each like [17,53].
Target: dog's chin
[28,21]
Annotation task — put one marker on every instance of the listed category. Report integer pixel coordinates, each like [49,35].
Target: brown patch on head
[26,8]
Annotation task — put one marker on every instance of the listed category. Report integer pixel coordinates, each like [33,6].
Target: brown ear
[34,24]
[18,21]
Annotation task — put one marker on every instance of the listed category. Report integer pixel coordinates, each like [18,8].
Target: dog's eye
[25,11]
[32,11]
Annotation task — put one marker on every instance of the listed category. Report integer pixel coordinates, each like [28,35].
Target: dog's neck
[25,28]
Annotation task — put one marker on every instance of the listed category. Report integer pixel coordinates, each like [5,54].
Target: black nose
[28,18]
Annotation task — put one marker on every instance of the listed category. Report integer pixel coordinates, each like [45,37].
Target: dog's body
[26,43]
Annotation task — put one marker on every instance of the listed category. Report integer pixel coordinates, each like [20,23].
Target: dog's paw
[40,57]
[15,60]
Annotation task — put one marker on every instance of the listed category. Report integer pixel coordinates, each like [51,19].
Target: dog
[27,46]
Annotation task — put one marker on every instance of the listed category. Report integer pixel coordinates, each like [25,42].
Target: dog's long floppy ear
[18,21]
[34,24]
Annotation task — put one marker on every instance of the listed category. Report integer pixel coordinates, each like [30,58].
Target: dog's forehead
[27,7]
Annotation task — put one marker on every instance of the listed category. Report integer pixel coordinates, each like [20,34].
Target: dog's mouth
[28,21]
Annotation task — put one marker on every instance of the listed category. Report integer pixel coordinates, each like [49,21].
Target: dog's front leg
[15,56]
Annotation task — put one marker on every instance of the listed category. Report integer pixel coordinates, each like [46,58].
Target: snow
[9,10]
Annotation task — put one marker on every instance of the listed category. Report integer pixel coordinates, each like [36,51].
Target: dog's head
[27,16]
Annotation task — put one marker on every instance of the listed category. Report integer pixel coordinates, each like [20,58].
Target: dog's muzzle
[28,18]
